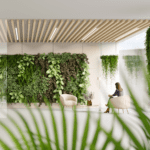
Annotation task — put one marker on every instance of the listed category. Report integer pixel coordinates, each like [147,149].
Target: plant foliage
[31,76]
[109,65]
[133,64]
[147,44]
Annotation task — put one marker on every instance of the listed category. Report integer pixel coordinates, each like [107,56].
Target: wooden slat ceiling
[69,31]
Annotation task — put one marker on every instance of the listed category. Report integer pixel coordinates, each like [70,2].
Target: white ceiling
[75,9]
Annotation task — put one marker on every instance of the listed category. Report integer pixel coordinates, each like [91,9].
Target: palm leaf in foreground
[75,126]
[86,130]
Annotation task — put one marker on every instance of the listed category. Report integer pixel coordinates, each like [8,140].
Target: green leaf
[86,130]
[75,132]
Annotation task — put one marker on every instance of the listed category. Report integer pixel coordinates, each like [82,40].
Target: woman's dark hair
[118,86]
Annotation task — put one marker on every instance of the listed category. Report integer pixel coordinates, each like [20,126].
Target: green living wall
[31,77]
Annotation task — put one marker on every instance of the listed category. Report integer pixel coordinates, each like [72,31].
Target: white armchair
[121,102]
[68,100]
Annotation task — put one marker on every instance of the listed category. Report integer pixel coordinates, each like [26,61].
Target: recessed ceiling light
[126,34]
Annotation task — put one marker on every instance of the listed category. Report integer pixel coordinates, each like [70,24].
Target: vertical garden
[31,77]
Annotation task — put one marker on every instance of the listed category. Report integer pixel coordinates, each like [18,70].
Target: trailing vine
[109,65]
[133,64]
[54,71]
[23,64]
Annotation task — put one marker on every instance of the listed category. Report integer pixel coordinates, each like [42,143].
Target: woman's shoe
[107,111]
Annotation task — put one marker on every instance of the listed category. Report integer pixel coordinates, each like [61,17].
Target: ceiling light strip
[53,33]
[18,27]
[99,28]
[53,28]
[107,30]
[140,28]
[49,26]
[106,34]
[93,25]
[76,30]
[139,22]
[58,28]
[13,27]
[92,39]
[81,31]
[123,30]
[90,33]
[131,31]
[62,29]
[16,33]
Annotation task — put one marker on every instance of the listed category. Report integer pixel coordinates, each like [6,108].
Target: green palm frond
[86,130]
[75,127]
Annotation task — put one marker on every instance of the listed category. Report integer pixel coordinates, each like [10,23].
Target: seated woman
[118,92]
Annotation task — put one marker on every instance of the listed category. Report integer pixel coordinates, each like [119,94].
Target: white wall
[93,51]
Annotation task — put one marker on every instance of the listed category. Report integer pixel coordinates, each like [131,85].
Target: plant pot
[89,103]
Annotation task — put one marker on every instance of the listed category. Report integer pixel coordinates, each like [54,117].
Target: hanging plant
[133,64]
[109,65]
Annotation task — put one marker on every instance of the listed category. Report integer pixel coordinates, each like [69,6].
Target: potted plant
[89,96]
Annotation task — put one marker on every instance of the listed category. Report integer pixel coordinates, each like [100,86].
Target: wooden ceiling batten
[93,25]
[28,30]
[73,27]
[81,30]
[33,29]
[120,32]
[76,30]
[127,30]
[42,30]
[140,28]
[53,28]
[66,30]
[7,31]
[10,37]
[126,24]
[38,28]
[58,28]
[49,26]
[84,31]
[62,29]
[107,30]
[99,28]
[23,29]
[106,34]
[13,27]
[2,38]
[101,31]
[3,29]
[18,30]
